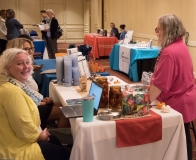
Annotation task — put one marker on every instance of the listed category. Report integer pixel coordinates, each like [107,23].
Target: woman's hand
[147,87]
[37,67]
[47,100]
[154,92]
[44,136]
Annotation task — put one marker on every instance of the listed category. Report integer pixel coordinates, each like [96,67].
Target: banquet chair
[37,55]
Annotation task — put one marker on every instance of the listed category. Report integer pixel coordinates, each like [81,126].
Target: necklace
[157,60]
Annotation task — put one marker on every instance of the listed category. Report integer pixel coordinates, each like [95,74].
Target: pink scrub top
[174,76]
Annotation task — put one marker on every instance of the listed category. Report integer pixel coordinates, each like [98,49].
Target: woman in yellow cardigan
[21,135]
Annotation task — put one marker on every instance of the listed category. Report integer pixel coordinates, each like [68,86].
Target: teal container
[88,108]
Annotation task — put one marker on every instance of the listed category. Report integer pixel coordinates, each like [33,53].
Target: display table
[102,46]
[43,80]
[40,46]
[124,58]
[60,93]
[97,140]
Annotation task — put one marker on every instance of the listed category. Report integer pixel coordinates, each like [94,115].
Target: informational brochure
[48,71]
[43,27]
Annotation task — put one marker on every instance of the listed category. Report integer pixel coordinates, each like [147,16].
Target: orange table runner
[102,46]
[138,131]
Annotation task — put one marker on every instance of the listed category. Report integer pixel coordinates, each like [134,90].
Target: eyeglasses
[29,49]
[157,29]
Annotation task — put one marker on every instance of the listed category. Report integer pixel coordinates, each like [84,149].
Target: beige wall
[70,15]
[96,15]
[77,17]
[142,16]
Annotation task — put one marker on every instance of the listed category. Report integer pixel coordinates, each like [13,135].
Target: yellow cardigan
[19,125]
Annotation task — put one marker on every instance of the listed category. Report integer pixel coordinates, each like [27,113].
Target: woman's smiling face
[20,67]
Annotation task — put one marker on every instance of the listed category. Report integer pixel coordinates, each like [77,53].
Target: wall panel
[70,14]
[8,4]
[29,15]
[74,12]
[142,17]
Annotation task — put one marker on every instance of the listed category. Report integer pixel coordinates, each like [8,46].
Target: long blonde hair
[18,43]
[51,11]
[172,28]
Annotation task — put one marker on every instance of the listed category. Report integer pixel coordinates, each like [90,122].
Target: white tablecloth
[60,93]
[45,55]
[97,141]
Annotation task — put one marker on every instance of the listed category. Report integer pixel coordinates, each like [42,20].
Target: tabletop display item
[159,105]
[146,76]
[115,98]
[98,31]
[95,67]
[83,83]
[68,71]
[101,33]
[108,115]
[135,101]
[166,108]
[83,66]
[60,70]
[104,97]
[144,44]
[85,49]
[94,76]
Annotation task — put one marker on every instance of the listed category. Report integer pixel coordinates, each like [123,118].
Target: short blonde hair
[172,29]
[18,43]
[51,11]
[7,58]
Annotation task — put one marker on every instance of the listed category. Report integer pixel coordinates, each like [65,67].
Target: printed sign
[124,59]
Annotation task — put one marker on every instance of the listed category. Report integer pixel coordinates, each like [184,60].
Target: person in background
[49,110]
[114,31]
[173,81]
[21,135]
[123,32]
[45,20]
[12,24]
[3,31]
[51,34]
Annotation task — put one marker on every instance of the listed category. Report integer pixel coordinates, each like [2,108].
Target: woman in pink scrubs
[173,79]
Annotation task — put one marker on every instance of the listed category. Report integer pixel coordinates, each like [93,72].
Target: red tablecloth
[137,131]
[102,46]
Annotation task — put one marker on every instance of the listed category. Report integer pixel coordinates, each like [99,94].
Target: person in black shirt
[3,31]
[51,38]
[114,31]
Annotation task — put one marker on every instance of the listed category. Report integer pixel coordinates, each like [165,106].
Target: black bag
[59,32]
